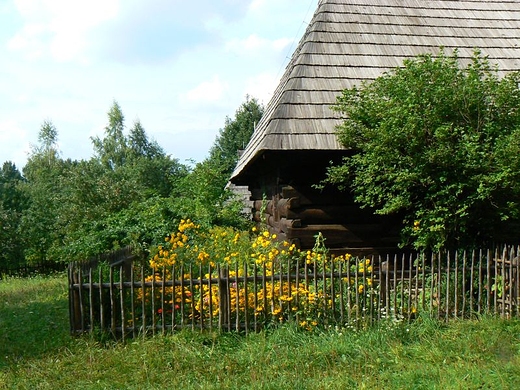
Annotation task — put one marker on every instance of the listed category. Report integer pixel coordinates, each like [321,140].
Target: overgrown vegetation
[37,352]
[131,192]
[437,143]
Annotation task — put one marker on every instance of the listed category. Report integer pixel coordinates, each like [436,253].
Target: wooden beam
[355,235]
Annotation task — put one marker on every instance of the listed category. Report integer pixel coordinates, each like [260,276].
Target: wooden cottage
[346,42]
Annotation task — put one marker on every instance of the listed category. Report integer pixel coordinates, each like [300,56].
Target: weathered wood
[309,196]
[284,205]
[76,304]
[320,214]
[396,288]
[223,288]
[283,224]
[122,300]
[335,234]
[348,43]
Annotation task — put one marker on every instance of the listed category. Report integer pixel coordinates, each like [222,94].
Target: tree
[12,204]
[122,195]
[39,225]
[11,196]
[48,140]
[112,149]
[235,135]
[206,198]
[437,143]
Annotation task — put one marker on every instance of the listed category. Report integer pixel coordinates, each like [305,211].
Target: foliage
[129,192]
[122,196]
[37,352]
[202,252]
[206,197]
[203,196]
[12,204]
[40,221]
[438,144]
[235,135]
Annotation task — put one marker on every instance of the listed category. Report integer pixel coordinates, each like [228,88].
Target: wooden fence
[130,299]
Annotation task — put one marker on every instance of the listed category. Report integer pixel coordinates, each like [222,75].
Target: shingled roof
[349,41]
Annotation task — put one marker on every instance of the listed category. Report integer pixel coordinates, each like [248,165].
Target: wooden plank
[309,196]
[163,296]
[101,303]
[343,235]
[284,205]
[283,224]
[112,302]
[122,302]
[320,214]
[143,303]
[132,301]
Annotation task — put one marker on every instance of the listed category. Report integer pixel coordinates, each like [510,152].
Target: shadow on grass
[33,319]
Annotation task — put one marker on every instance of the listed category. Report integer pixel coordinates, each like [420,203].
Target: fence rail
[129,299]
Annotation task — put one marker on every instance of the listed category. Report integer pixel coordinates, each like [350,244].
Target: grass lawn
[37,352]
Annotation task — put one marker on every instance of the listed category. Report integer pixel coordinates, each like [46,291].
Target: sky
[179,67]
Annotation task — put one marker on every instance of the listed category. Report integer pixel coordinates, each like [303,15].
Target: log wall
[297,213]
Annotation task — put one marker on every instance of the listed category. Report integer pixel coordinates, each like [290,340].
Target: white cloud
[208,91]
[261,86]
[180,66]
[254,43]
[257,4]
[60,27]
[14,135]
[256,46]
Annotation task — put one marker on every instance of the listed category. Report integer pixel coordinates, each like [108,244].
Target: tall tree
[206,197]
[236,134]
[48,140]
[12,205]
[437,143]
[121,196]
[112,149]
[43,173]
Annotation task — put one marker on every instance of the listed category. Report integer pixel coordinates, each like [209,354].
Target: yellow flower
[361,288]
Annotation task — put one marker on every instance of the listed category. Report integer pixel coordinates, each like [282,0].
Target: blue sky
[178,66]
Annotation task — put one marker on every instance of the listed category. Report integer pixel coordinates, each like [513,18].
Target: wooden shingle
[351,41]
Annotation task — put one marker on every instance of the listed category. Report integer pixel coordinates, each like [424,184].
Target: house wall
[286,200]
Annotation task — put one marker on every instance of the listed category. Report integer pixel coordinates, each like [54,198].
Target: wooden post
[223,295]
[74,299]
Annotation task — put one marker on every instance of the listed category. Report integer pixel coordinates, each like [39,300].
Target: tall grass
[36,352]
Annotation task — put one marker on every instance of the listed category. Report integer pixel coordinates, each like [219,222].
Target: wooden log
[258,205]
[331,214]
[284,207]
[356,235]
[259,217]
[308,196]
[284,224]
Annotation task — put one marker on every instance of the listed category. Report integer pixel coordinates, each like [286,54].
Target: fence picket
[91,299]
[132,301]
[122,302]
[143,303]
[353,292]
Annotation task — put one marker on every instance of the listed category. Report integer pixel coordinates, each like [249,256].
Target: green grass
[37,352]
